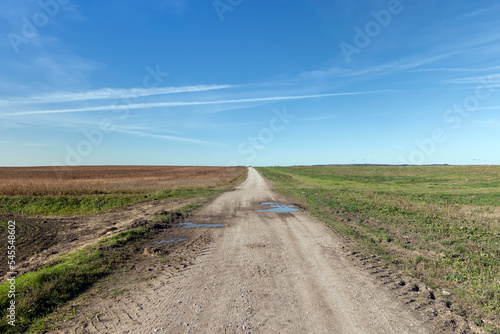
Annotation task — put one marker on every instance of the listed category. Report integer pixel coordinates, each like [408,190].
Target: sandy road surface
[265,272]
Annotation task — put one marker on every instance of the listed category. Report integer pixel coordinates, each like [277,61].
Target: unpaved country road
[268,272]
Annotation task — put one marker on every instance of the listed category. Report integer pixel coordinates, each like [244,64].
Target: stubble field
[80,190]
[81,180]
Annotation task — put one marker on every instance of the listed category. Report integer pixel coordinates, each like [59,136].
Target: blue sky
[238,82]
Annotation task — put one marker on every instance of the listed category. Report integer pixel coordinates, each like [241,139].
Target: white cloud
[491,79]
[458,69]
[320,118]
[378,70]
[165,137]
[181,104]
[14,143]
[110,94]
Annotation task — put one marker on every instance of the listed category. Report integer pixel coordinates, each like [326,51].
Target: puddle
[276,207]
[190,225]
[168,241]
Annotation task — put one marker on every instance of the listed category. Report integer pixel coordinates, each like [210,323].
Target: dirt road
[264,272]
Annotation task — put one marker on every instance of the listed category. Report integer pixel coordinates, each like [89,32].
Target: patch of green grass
[41,292]
[450,214]
[120,239]
[65,205]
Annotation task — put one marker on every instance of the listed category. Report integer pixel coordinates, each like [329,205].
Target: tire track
[263,272]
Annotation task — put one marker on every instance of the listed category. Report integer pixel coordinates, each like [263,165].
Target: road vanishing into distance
[265,272]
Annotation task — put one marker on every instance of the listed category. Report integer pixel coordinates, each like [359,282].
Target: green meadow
[439,224]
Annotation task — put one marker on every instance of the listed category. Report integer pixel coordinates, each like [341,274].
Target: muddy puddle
[277,207]
[191,225]
[168,241]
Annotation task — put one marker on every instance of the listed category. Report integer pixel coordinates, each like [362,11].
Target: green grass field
[90,203]
[440,224]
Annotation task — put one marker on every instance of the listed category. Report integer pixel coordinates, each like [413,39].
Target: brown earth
[41,240]
[263,272]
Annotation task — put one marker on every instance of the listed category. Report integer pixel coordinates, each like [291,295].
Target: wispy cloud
[206,125]
[378,70]
[492,79]
[458,69]
[128,129]
[183,103]
[110,94]
[320,118]
[481,11]
[14,143]
[64,70]
[406,64]
[77,124]
[481,48]
[165,137]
